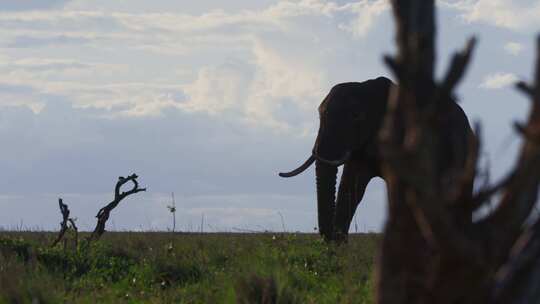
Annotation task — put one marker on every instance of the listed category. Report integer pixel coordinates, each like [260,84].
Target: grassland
[186,268]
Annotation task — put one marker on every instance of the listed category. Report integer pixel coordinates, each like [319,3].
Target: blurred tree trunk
[432,252]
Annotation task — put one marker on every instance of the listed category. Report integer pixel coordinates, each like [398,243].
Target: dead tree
[104,213]
[432,252]
[66,223]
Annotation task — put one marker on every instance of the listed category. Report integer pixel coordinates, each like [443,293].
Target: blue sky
[211,99]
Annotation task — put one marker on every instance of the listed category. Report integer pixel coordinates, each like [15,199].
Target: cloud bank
[499,80]
[514,15]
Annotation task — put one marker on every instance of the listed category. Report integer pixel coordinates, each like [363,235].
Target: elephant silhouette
[351,117]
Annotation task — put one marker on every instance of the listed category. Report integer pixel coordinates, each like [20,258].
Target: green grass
[187,268]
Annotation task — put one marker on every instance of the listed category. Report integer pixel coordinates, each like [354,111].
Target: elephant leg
[354,181]
[326,194]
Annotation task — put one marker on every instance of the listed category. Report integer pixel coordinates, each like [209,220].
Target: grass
[186,268]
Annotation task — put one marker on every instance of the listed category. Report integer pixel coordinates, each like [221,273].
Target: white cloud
[253,90]
[280,78]
[262,78]
[44,68]
[513,48]
[367,13]
[180,32]
[271,17]
[217,89]
[498,80]
[502,13]
[250,90]
[28,100]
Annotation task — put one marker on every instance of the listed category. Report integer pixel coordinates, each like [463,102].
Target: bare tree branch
[459,63]
[448,257]
[64,224]
[421,211]
[525,88]
[517,281]
[104,213]
[520,195]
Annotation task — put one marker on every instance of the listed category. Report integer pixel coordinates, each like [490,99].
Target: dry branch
[104,213]
[520,195]
[431,251]
[518,279]
[66,223]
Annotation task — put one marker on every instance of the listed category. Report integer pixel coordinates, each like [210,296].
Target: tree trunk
[431,251]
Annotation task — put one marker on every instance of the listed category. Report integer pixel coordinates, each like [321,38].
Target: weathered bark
[66,223]
[517,281]
[104,213]
[431,251]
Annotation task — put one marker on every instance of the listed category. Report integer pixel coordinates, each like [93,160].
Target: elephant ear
[369,110]
[359,117]
[366,128]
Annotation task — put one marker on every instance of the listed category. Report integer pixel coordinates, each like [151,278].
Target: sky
[210,99]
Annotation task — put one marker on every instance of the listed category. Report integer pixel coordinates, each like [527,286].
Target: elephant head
[350,117]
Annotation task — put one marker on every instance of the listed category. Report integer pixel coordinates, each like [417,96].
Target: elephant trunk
[326,197]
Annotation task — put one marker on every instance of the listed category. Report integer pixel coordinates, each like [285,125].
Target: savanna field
[159,267]
[210,99]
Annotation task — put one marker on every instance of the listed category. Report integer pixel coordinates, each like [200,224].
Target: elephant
[351,116]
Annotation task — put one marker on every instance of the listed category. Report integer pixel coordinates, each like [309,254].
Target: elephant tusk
[335,163]
[300,169]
